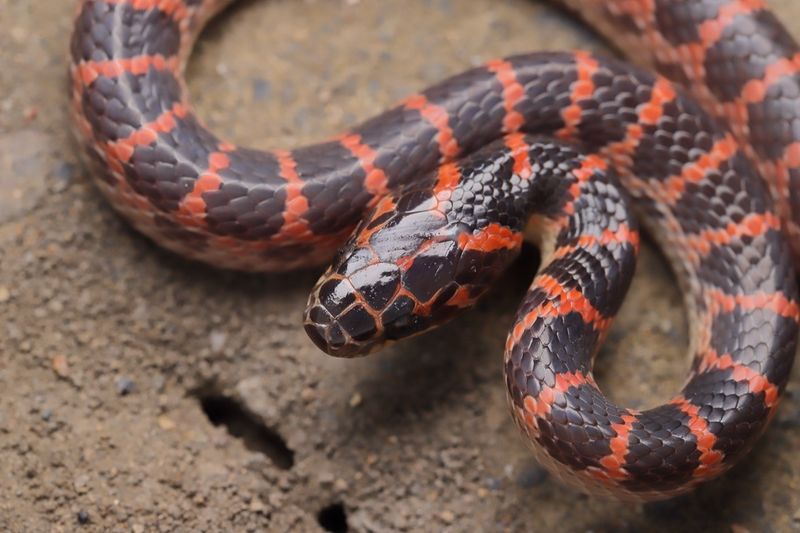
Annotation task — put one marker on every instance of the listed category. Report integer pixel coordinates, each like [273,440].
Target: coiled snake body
[442,189]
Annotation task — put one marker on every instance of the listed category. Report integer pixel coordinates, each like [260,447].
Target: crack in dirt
[241,423]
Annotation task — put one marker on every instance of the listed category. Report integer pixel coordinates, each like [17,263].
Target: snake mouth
[333,341]
[328,337]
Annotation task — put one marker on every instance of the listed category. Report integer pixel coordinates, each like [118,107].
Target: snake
[419,210]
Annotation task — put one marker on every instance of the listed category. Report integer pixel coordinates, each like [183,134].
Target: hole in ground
[244,425]
[333,518]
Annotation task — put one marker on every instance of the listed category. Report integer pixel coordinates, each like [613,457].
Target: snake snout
[338,322]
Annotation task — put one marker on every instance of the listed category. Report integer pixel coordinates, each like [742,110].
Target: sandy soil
[141,392]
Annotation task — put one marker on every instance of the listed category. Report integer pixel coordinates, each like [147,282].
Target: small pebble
[217,339]
[257,506]
[341,485]
[61,366]
[307,394]
[448,517]
[5,294]
[81,483]
[125,386]
[165,423]
[137,528]
[275,499]
[83,517]
[159,382]
[355,400]
[325,479]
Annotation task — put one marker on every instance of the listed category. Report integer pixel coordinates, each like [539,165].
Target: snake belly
[423,207]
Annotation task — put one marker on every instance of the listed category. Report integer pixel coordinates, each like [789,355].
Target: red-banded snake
[442,190]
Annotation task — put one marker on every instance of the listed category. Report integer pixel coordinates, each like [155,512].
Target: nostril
[316,333]
[327,336]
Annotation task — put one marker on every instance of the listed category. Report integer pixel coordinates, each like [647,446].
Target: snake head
[406,269]
[348,315]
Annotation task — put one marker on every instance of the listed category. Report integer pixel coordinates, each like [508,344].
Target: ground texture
[141,392]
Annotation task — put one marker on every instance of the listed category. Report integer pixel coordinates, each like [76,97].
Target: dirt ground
[142,392]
